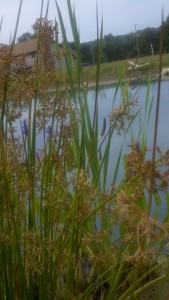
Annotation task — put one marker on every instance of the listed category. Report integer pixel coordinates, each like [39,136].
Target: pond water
[139,93]
[106,96]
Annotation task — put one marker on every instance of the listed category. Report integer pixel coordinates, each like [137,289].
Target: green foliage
[26,37]
[64,233]
[121,47]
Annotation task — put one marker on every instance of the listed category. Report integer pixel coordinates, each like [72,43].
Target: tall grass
[64,233]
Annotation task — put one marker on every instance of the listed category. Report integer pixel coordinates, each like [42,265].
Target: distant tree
[26,37]
[86,52]
[108,47]
[166,35]
[149,38]
[72,45]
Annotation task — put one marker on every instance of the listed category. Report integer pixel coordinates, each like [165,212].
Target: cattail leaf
[103,127]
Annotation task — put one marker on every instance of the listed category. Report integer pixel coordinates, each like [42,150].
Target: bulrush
[70,226]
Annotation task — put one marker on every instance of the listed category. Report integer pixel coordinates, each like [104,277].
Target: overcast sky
[119,16]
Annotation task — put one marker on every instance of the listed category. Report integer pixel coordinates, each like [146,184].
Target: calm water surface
[138,92]
[106,97]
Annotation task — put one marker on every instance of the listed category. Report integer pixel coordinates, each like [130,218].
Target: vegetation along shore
[112,71]
[72,224]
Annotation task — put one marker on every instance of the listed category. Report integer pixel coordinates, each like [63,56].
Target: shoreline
[102,82]
[112,82]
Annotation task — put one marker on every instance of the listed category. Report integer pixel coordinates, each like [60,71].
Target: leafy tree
[87,53]
[108,47]
[125,46]
[26,37]
[166,35]
[114,47]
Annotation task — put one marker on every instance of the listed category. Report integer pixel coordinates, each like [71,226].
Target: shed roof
[30,46]
[26,47]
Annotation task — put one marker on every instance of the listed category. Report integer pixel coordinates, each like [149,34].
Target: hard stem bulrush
[62,234]
[122,115]
[31,192]
[131,208]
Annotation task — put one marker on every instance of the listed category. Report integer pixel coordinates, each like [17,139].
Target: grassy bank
[114,70]
[65,233]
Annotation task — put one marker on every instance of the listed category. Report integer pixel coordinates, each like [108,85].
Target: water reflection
[108,98]
[107,95]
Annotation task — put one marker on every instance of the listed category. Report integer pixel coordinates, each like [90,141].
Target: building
[28,49]
[50,56]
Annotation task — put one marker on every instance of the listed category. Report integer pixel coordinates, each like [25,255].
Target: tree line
[139,43]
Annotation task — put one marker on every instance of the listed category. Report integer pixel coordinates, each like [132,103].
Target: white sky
[119,16]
